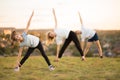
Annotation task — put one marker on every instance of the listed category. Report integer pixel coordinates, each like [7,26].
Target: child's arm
[57,51]
[19,56]
[29,21]
[81,21]
[82,44]
[55,18]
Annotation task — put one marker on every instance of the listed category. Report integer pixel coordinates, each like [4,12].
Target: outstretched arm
[29,21]
[57,52]
[81,21]
[18,57]
[55,18]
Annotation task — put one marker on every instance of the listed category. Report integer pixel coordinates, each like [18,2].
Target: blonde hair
[49,39]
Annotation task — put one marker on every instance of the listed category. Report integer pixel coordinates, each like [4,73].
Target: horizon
[52,29]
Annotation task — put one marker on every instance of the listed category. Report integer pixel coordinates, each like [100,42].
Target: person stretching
[30,41]
[60,34]
[91,35]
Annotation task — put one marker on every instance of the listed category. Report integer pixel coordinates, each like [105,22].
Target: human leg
[66,43]
[43,53]
[99,48]
[40,47]
[29,51]
[77,43]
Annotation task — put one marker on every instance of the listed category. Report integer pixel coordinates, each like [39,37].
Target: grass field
[68,68]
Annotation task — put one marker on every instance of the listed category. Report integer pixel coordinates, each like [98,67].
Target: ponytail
[49,39]
[13,36]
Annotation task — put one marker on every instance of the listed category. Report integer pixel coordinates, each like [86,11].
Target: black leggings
[30,50]
[72,37]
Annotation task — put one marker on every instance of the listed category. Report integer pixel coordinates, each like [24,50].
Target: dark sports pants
[30,50]
[72,37]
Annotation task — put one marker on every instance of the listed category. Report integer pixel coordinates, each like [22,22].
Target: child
[59,35]
[30,41]
[91,35]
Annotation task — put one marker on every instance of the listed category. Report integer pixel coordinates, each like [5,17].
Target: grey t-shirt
[29,40]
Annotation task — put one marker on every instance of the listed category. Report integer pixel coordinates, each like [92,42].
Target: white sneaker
[51,68]
[17,69]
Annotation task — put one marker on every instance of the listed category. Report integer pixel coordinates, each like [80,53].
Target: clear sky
[96,14]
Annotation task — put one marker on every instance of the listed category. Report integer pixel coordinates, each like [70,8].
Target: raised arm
[29,21]
[81,21]
[54,17]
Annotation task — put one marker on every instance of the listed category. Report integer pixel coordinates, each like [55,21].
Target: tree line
[109,38]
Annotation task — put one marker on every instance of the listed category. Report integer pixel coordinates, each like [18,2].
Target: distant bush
[111,37]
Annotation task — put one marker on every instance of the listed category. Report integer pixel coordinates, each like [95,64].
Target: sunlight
[97,14]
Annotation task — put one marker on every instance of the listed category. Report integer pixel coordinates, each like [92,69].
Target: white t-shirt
[61,34]
[87,33]
[29,40]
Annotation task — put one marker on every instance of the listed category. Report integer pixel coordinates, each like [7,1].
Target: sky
[96,14]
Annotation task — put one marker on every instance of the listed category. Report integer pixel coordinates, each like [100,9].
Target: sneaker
[17,69]
[51,68]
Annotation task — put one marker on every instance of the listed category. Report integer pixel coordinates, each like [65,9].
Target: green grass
[68,68]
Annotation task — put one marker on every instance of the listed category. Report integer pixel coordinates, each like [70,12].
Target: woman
[91,35]
[30,41]
[63,34]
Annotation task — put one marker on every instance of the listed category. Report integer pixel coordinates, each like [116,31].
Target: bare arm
[29,21]
[82,44]
[55,18]
[19,56]
[81,21]
[58,49]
